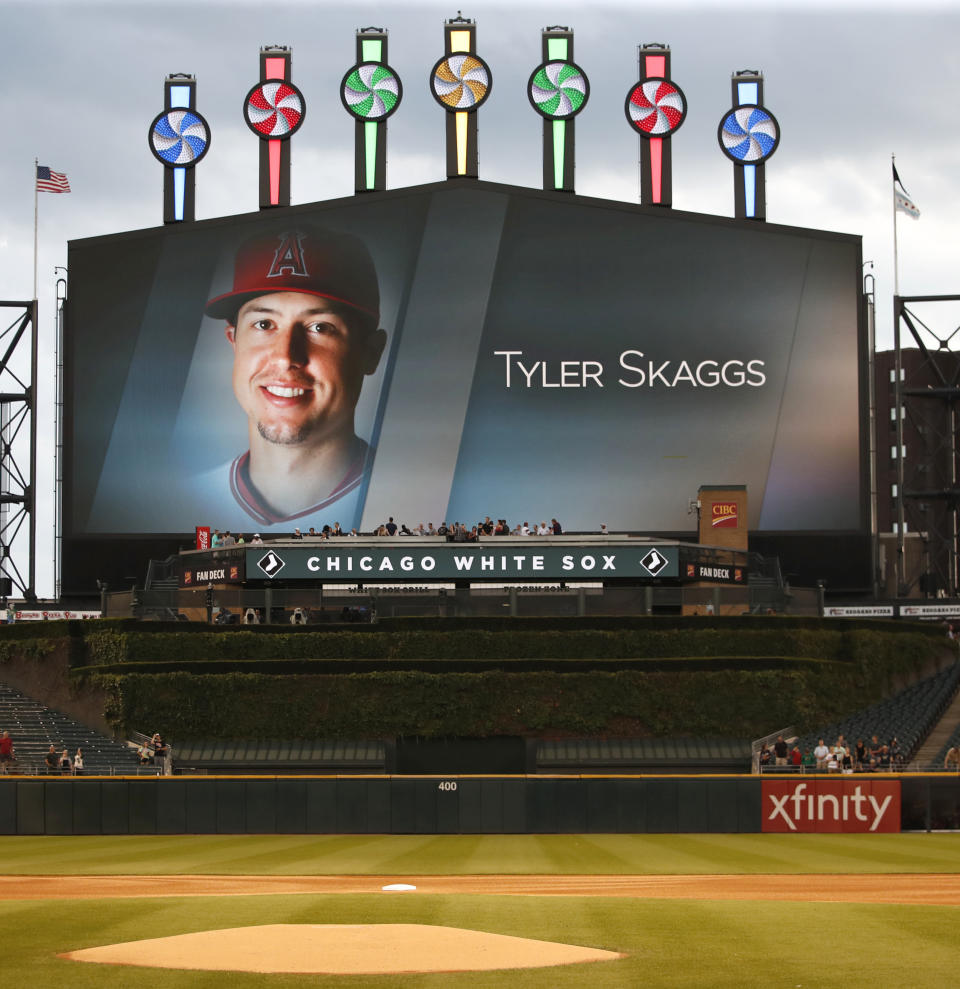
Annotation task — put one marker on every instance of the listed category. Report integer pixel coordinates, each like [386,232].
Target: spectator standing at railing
[952,758]
[159,750]
[796,757]
[780,751]
[859,755]
[765,757]
[51,759]
[6,751]
[822,754]
[809,762]
[66,766]
[78,763]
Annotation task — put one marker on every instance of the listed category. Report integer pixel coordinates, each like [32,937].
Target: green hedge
[646,677]
[902,651]
[27,648]
[732,703]
[442,666]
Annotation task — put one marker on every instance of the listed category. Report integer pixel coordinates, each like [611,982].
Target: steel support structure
[927,420]
[18,437]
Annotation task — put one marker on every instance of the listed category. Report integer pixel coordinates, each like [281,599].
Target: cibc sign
[723,515]
[857,805]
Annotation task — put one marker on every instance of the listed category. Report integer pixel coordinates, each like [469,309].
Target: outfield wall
[475,805]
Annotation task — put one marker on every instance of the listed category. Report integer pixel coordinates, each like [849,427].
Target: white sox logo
[288,257]
[654,562]
[831,805]
[270,563]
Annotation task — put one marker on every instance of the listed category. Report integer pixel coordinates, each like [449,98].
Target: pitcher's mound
[342,949]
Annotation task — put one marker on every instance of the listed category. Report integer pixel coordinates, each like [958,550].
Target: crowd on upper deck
[452,532]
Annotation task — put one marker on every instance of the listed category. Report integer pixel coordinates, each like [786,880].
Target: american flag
[51,181]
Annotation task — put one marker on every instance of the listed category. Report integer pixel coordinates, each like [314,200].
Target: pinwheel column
[460,83]
[558,90]
[748,136]
[274,110]
[655,109]
[371,92]
[179,137]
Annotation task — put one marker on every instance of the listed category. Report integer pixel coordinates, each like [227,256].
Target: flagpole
[36,163]
[896,263]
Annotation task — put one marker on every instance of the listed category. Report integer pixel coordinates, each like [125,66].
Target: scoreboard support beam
[18,496]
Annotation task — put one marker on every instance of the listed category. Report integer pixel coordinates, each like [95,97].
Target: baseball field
[794,911]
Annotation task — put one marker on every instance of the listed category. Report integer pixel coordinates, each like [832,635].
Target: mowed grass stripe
[670,944]
[478,854]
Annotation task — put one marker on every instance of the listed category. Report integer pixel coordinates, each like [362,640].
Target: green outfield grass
[669,943]
[611,854]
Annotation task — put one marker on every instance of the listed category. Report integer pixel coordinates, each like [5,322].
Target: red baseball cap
[311,260]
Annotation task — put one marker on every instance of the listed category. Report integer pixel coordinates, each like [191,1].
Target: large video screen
[461,350]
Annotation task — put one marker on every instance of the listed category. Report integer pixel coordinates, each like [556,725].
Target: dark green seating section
[644,755]
[909,716]
[281,757]
[33,727]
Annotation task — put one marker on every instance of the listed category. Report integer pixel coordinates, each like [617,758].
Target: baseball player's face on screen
[298,367]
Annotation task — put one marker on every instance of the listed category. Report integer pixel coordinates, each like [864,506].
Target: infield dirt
[932,889]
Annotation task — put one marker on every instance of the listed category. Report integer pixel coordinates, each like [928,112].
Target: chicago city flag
[901,199]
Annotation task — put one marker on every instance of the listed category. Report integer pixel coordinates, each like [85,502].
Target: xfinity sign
[339,561]
[847,805]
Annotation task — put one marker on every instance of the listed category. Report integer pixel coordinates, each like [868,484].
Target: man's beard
[284,435]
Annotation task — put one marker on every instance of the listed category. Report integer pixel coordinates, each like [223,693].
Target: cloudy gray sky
[850,83]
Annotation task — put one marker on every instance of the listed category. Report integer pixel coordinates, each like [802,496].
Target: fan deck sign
[846,805]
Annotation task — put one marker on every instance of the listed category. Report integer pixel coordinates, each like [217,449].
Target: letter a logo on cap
[288,257]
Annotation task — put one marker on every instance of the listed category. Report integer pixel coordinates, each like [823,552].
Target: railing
[801,770]
[321,605]
[789,736]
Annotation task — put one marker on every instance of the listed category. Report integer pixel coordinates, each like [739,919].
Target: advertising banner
[203,537]
[852,804]
[52,616]
[450,561]
[929,610]
[859,611]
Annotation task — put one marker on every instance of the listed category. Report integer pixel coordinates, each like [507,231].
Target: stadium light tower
[371,91]
[178,138]
[748,136]
[558,90]
[274,110]
[655,109]
[461,82]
